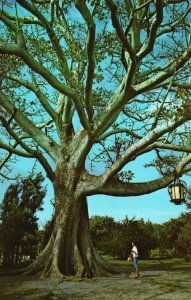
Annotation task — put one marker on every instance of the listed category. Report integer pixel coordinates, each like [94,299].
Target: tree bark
[70,251]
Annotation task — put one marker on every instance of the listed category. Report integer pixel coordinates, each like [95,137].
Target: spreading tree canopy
[87,87]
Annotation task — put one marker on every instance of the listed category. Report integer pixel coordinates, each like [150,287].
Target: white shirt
[135,251]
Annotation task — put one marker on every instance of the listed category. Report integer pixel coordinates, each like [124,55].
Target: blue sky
[155,207]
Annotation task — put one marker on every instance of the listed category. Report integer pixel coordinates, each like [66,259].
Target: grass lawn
[177,264]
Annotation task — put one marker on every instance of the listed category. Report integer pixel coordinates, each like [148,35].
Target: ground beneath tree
[153,284]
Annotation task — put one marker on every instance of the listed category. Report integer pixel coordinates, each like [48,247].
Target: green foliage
[45,234]
[184,242]
[102,229]
[174,236]
[18,218]
[114,238]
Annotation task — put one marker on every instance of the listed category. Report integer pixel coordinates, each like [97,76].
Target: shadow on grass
[12,288]
[150,276]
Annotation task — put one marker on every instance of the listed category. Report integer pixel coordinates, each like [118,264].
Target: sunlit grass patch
[158,264]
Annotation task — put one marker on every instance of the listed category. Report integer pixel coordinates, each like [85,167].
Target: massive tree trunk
[70,251]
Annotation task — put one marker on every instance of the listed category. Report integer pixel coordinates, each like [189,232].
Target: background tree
[18,218]
[114,238]
[173,236]
[45,234]
[102,232]
[183,244]
[94,84]
[147,239]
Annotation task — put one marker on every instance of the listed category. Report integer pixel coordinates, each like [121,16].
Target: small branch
[112,132]
[8,178]
[15,28]
[162,104]
[37,67]
[166,72]
[30,152]
[172,26]
[134,150]
[149,44]
[28,126]
[160,145]
[11,149]
[115,22]
[35,89]
[46,74]
[52,35]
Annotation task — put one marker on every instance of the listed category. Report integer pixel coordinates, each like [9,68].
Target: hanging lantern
[177,191]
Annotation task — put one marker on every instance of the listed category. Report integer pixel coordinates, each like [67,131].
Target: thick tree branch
[79,148]
[110,114]
[91,185]
[141,6]
[90,46]
[24,20]
[166,146]
[185,161]
[65,111]
[128,7]
[116,187]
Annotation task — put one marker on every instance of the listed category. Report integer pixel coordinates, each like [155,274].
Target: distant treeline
[114,238]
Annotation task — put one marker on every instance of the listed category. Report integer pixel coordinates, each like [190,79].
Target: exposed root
[79,268]
[52,267]
[39,264]
[103,267]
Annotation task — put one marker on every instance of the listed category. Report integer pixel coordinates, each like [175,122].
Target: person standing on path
[135,255]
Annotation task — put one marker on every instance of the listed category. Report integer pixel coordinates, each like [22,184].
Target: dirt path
[172,285]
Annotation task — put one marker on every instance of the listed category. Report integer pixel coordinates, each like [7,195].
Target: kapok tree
[87,87]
